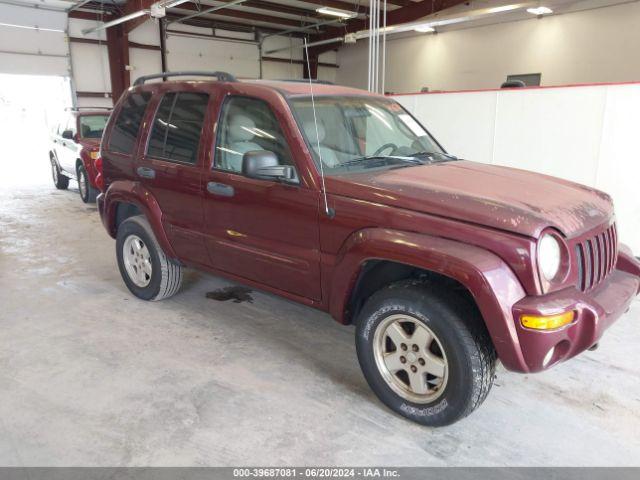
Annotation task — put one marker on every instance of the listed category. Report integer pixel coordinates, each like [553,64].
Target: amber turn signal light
[547,322]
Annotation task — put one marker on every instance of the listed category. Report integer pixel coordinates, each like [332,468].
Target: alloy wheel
[410,358]
[137,260]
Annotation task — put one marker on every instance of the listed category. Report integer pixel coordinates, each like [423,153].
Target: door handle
[220,189]
[146,172]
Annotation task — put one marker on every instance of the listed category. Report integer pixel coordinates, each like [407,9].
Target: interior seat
[328,155]
[239,141]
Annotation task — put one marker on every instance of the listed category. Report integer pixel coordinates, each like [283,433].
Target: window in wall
[177,127]
[248,124]
[127,124]
[529,79]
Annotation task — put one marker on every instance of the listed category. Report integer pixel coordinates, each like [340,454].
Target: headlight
[549,257]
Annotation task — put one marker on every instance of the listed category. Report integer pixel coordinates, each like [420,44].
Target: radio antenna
[327,210]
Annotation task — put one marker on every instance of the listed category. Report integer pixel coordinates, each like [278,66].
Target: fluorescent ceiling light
[503,8]
[336,12]
[540,11]
[424,29]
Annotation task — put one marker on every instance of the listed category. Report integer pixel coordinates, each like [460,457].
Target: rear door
[171,168]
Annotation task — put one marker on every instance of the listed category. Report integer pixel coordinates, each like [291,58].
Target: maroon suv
[341,200]
[75,144]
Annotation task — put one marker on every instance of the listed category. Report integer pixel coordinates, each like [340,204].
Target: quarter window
[127,124]
[248,124]
[177,127]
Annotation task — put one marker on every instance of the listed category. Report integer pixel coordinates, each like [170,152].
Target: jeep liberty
[341,200]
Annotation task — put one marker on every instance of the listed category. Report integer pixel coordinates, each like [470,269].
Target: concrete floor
[89,375]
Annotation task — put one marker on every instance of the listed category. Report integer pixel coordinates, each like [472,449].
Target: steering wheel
[392,146]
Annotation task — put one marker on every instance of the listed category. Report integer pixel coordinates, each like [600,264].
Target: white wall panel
[90,67]
[584,134]
[148,33]
[554,131]
[144,62]
[447,118]
[619,168]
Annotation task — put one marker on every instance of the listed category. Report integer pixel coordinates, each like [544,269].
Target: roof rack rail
[76,109]
[221,76]
[306,80]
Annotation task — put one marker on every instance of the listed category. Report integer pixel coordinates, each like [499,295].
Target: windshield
[92,126]
[357,133]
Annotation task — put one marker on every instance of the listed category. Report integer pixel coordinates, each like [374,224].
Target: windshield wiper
[360,160]
[441,154]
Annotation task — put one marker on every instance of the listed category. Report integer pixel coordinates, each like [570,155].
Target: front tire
[146,270]
[88,194]
[59,180]
[425,352]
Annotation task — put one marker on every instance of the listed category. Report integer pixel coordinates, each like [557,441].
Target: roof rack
[76,109]
[305,80]
[221,76]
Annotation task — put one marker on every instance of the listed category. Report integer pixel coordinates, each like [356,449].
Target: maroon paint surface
[478,224]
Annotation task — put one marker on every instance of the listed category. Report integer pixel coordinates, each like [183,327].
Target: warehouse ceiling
[301,18]
[298,18]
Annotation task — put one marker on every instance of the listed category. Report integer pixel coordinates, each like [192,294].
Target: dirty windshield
[360,133]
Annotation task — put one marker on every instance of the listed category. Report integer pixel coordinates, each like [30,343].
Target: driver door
[259,229]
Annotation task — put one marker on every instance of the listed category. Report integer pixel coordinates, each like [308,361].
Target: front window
[92,126]
[248,124]
[359,133]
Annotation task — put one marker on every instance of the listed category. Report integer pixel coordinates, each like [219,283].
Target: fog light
[548,322]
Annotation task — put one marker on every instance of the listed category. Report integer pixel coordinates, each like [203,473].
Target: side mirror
[68,134]
[264,164]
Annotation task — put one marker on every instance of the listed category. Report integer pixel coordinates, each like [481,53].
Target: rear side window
[127,124]
[177,127]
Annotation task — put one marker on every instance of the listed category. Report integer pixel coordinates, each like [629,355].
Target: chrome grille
[596,257]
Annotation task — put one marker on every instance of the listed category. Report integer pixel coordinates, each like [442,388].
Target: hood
[500,197]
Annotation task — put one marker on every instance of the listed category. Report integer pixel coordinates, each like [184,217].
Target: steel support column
[118,48]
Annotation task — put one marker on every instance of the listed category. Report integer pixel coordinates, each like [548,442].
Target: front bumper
[595,311]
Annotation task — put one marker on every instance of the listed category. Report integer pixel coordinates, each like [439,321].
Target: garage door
[32,41]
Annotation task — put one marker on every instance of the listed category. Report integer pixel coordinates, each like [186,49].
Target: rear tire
[436,381]
[148,273]
[88,194]
[59,180]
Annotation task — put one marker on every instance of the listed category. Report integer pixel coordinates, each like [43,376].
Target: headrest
[310,130]
[241,128]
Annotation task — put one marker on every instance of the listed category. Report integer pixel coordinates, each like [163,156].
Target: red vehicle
[341,200]
[75,144]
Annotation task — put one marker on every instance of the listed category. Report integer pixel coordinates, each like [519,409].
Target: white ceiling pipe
[115,22]
[134,15]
